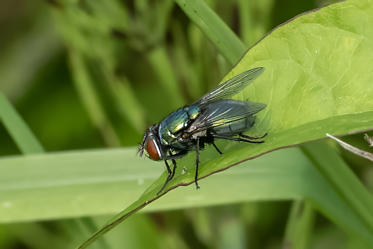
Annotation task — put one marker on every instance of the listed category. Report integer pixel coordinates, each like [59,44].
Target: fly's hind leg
[253,138]
[197,164]
[238,139]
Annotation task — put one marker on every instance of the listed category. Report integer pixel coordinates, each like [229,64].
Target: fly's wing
[224,112]
[231,86]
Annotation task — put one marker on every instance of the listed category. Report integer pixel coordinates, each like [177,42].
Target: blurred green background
[91,74]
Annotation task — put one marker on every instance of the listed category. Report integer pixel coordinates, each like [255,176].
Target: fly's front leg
[171,173]
[169,177]
[168,168]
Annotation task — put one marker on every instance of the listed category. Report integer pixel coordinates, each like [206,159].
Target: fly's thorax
[193,111]
[172,127]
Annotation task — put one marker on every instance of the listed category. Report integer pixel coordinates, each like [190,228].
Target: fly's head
[151,144]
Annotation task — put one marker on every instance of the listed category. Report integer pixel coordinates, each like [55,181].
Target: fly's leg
[252,138]
[168,168]
[197,164]
[239,139]
[171,174]
[216,147]
[169,177]
[174,169]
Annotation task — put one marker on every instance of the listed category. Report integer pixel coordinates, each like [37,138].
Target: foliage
[316,81]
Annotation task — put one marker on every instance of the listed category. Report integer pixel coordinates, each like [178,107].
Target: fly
[214,116]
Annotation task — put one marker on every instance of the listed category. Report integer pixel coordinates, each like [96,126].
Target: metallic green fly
[214,116]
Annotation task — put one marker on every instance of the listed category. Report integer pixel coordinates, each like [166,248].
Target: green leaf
[318,80]
[28,144]
[74,183]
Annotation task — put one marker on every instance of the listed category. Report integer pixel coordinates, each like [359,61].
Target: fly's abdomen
[234,127]
[228,117]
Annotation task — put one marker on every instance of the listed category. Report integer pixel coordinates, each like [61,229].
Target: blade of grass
[343,179]
[246,25]
[299,226]
[229,45]
[18,129]
[255,17]
[161,65]
[231,234]
[185,67]
[125,101]
[74,183]
[89,97]
[28,144]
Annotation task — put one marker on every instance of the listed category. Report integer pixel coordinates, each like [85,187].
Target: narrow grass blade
[90,98]
[166,76]
[18,129]
[341,176]
[229,45]
[299,226]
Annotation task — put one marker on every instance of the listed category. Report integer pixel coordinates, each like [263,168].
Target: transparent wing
[224,112]
[231,86]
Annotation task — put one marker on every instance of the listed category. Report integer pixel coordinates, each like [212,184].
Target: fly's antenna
[140,150]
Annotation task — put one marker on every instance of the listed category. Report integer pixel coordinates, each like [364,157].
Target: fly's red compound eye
[152,149]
